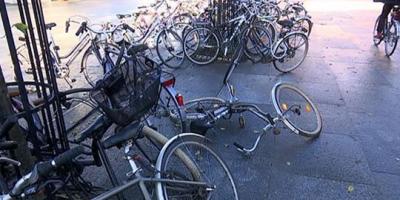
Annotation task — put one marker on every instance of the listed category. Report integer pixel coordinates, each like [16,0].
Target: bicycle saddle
[286,23]
[99,126]
[129,132]
[49,26]
[8,145]
[122,16]
[136,48]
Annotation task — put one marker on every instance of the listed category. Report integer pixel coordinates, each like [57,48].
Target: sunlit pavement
[357,90]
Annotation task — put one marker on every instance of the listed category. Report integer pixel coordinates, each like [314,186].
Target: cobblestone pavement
[356,88]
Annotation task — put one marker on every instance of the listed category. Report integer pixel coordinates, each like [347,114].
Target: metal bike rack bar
[44,78]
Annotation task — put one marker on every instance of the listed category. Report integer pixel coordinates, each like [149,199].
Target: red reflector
[169,82]
[179,99]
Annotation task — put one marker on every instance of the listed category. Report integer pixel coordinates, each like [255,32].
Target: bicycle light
[179,99]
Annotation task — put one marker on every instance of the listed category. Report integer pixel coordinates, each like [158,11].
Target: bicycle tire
[283,51]
[220,175]
[256,46]
[374,32]
[211,46]
[391,39]
[97,72]
[168,45]
[283,106]
[304,27]
[168,117]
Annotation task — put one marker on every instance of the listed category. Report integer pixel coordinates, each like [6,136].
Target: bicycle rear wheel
[377,41]
[258,43]
[169,49]
[391,39]
[168,118]
[290,52]
[296,110]
[212,170]
[201,46]
[92,66]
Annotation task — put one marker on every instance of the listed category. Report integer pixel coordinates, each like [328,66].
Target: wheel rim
[298,112]
[201,46]
[169,49]
[167,117]
[213,171]
[93,68]
[391,40]
[291,52]
[258,43]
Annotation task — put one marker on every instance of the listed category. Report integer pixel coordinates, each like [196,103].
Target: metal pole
[17,69]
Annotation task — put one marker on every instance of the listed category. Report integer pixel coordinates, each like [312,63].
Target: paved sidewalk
[356,88]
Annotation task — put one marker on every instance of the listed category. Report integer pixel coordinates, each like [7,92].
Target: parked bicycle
[185,168]
[391,32]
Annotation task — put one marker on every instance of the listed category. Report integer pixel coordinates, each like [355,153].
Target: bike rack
[44,78]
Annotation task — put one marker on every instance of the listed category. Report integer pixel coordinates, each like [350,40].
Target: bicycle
[391,32]
[203,42]
[91,42]
[177,172]
[294,109]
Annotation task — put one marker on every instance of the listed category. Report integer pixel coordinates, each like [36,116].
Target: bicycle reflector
[179,99]
[284,106]
[169,82]
[308,107]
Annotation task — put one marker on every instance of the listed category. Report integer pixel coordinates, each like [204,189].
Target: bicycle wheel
[304,25]
[258,43]
[168,118]
[296,110]
[92,66]
[212,170]
[290,52]
[391,39]
[180,22]
[201,46]
[377,41]
[169,49]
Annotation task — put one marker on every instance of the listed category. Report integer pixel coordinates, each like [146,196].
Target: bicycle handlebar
[44,168]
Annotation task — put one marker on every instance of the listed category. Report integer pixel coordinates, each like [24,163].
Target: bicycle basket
[129,91]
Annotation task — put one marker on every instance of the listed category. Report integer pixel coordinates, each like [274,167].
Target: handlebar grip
[141,7]
[67,24]
[44,168]
[238,146]
[126,26]
[8,124]
[67,156]
[81,29]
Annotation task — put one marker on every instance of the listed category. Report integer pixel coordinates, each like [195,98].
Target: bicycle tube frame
[76,50]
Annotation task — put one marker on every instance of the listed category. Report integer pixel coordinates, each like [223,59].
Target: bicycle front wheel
[391,39]
[296,110]
[290,52]
[213,171]
[169,49]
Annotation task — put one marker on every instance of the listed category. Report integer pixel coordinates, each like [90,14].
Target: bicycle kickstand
[248,151]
